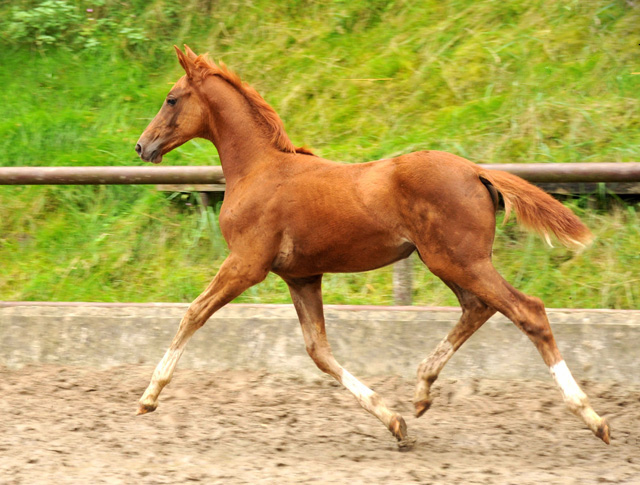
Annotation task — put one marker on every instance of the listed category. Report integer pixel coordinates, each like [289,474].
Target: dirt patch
[77,425]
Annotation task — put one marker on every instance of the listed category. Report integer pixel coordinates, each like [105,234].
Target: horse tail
[536,210]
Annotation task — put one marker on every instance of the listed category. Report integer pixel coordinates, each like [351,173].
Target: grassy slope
[507,81]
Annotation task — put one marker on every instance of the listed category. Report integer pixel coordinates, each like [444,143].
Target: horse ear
[186,63]
[192,55]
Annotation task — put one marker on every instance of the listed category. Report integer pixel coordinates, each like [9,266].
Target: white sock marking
[570,389]
[361,391]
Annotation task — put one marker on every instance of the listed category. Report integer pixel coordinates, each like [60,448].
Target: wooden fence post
[403,281]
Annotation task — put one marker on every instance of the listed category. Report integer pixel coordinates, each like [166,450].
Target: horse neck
[237,132]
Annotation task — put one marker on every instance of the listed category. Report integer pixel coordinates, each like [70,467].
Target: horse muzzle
[149,154]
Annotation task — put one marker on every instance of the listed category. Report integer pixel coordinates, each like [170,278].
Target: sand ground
[62,425]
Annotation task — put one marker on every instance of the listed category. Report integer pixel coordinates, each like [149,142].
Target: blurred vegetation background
[493,81]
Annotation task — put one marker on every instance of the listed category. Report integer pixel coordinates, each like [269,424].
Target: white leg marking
[433,364]
[429,369]
[161,377]
[572,393]
[578,402]
[367,398]
[168,364]
[362,392]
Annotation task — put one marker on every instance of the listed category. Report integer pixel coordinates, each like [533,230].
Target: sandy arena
[76,425]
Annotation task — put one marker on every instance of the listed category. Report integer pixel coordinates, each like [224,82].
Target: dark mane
[273,122]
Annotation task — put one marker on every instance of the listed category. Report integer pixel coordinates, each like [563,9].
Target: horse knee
[192,319]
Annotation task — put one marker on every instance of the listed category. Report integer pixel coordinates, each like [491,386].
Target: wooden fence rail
[110,175]
[533,172]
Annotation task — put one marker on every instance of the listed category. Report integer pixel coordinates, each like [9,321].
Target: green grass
[510,81]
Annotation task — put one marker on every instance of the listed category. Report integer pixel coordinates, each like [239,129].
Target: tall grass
[511,81]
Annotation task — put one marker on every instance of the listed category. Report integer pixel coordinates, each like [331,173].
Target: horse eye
[172,101]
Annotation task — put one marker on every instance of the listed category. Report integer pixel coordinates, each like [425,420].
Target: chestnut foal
[300,216]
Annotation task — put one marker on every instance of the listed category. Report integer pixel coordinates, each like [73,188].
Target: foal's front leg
[234,277]
[307,299]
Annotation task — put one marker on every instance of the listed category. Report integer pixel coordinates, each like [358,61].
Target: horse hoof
[604,432]
[398,427]
[146,408]
[422,407]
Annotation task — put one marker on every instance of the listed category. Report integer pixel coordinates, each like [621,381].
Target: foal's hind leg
[232,279]
[529,316]
[307,299]
[474,314]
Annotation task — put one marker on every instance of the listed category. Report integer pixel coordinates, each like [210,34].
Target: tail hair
[538,211]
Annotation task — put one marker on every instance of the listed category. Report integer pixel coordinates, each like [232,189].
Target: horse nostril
[138,148]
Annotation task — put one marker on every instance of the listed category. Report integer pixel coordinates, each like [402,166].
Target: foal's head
[181,117]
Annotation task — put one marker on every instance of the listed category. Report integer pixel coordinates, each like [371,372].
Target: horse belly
[336,252]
